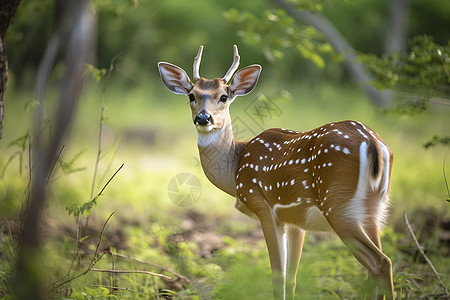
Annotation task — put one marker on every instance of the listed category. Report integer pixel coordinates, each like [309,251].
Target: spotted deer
[333,178]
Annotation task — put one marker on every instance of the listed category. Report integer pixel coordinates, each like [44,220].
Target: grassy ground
[209,250]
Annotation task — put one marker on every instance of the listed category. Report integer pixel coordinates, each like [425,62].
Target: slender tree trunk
[396,35]
[80,21]
[7,10]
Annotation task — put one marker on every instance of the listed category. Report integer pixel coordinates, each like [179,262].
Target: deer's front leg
[295,237]
[276,241]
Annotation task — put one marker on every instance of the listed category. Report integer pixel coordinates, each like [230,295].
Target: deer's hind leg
[364,244]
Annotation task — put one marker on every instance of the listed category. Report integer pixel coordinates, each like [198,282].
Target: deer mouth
[206,128]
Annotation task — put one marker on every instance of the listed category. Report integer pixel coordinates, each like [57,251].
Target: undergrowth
[119,237]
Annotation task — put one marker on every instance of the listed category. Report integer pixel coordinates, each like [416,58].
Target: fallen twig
[419,288]
[132,271]
[413,236]
[179,276]
[123,289]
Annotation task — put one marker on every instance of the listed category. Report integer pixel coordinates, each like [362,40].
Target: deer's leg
[373,233]
[385,283]
[244,209]
[275,237]
[365,250]
[295,237]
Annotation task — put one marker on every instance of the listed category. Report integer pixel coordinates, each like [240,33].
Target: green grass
[150,131]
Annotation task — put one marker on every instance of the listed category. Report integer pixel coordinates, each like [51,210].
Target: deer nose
[203,119]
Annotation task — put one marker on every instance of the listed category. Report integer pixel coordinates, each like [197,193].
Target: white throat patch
[209,138]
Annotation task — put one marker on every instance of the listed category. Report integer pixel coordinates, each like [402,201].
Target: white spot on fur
[362,133]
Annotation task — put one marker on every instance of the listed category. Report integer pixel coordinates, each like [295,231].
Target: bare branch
[110,179]
[445,176]
[109,73]
[184,278]
[413,236]
[124,289]
[58,157]
[94,260]
[132,271]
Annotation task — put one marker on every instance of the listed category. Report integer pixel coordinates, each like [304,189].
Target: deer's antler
[197,60]
[233,67]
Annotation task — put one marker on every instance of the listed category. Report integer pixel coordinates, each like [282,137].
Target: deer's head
[210,98]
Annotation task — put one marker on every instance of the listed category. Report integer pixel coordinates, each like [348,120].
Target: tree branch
[340,45]
[413,236]
[124,289]
[184,278]
[132,271]
[94,260]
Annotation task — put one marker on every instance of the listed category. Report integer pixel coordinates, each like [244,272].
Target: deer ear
[245,80]
[175,78]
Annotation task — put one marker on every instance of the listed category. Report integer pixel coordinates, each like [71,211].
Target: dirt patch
[209,235]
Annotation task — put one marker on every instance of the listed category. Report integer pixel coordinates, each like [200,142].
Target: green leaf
[277,33]
[20,142]
[95,73]
[437,140]
[68,166]
[73,209]
[84,237]
[422,71]
[85,209]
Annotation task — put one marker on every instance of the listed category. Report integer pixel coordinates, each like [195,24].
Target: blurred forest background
[101,190]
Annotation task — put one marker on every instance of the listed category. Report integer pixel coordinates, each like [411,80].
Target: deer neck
[220,154]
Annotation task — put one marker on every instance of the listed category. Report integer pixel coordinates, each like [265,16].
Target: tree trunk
[7,10]
[396,35]
[73,42]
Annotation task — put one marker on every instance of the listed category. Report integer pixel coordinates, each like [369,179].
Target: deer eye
[191,97]
[223,98]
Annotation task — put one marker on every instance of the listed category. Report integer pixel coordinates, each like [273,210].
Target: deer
[333,178]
